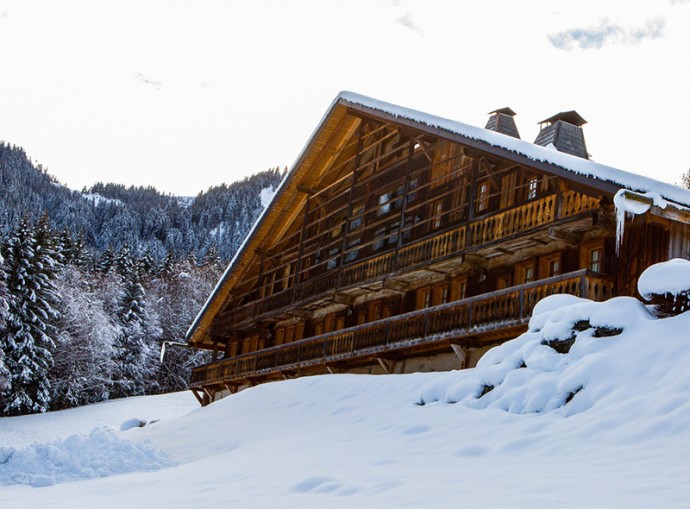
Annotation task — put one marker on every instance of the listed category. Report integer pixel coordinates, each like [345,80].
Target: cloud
[676,2]
[148,81]
[407,21]
[607,33]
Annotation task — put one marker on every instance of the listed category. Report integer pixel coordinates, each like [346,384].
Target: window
[390,201]
[459,288]
[442,295]
[436,212]
[550,265]
[483,197]
[554,267]
[595,259]
[592,256]
[423,298]
[357,218]
[524,272]
[528,274]
[532,187]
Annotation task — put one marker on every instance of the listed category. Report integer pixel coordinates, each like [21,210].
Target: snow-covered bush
[563,362]
[666,286]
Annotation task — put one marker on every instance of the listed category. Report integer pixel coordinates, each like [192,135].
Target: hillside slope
[144,218]
[604,423]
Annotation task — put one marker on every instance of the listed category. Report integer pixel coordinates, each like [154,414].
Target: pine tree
[146,266]
[31,265]
[123,262]
[211,258]
[105,264]
[168,267]
[136,344]
[4,310]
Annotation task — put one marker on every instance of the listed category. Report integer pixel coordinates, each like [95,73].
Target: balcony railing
[473,316]
[490,228]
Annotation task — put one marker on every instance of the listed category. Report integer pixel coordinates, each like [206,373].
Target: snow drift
[589,408]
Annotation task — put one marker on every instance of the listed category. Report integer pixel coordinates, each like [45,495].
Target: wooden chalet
[400,242]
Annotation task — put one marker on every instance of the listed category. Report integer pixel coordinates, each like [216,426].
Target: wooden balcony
[481,320]
[453,242]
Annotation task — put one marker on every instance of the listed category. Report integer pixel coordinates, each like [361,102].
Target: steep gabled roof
[284,204]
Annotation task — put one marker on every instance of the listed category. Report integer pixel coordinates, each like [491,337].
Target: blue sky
[183,95]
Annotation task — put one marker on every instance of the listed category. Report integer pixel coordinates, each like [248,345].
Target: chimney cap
[504,111]
[571,117]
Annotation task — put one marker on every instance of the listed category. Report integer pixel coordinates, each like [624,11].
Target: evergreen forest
[93,282]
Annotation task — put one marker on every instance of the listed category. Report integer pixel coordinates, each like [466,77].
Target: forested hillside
[93,282]
[111,215]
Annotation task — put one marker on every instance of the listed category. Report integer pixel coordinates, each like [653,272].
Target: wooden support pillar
[231,388]
[403,208]
[388,365]
[209,396]
[348,219]
[199,395]
[462,354]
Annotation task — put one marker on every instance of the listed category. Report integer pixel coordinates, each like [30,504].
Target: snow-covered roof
[613,178]
[537,153]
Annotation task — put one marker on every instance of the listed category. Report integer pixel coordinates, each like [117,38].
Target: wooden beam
[387,364]
[603,221]
[461,353]
[198,397]
[505,251]
[476,261]
[343,298]
[396,286]
[306,189]
[567,237]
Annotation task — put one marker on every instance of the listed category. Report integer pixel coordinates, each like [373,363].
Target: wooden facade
[391,242]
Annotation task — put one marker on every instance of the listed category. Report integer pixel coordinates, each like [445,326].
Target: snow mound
[671,277]
[566,351]
[99,454]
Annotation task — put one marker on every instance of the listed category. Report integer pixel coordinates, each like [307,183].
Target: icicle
[628,208]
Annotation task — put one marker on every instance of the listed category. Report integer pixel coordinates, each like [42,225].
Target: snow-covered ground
[589,408]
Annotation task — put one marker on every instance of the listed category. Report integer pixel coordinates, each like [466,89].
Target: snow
[185,201]
[98,199]
[604,424]
[670,277]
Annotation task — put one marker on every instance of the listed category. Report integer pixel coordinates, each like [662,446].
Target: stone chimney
[502,121]
[564,132]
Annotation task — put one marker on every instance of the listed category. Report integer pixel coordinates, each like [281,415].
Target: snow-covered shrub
[666,286]
[551,365]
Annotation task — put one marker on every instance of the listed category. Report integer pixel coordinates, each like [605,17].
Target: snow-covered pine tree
[168,266]
[4,310]
[123,261]
[146,265]
[31,268]
[136,346]
[105,264]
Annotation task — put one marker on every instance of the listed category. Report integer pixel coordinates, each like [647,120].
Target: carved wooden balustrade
[490,228]
[472,316]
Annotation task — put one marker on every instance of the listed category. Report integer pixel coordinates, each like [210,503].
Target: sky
[184,95]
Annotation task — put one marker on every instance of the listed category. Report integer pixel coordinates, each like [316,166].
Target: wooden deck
[474,321]
[522,219]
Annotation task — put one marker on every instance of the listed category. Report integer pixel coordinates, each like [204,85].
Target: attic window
[532,186]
